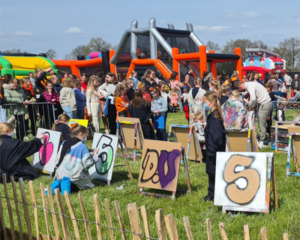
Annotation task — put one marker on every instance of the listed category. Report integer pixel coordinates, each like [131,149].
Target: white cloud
[245,26]
[73,30]
[23,33]
[211,29]
[233,14]
[251,14]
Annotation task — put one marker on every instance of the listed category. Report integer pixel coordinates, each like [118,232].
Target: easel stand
[276,132]
[292,147]
[173,193]
[251,141]
[270,177]
[120,133]
[192,132]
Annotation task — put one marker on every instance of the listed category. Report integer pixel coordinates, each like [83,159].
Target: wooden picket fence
[166,227]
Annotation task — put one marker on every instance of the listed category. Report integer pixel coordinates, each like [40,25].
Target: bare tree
[68,57]
[210,45]
[260,44]
[98,45]
[289,49]
[80,50]
[51,54]
[13,51]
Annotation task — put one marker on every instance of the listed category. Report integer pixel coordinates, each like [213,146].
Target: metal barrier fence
[42,113]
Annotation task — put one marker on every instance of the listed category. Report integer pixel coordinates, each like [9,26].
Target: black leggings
[211,172]
[112,115]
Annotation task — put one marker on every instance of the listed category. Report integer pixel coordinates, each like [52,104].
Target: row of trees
[288,49]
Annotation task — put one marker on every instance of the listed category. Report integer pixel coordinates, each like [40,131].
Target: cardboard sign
[295,142]
[128,129]
[241,181]
[107,145]
[80,122]
[181,134]
[160,165]
[45,159]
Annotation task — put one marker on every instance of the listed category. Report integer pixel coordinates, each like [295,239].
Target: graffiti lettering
[235,193]
[106,154]
[46,150]
[159,168]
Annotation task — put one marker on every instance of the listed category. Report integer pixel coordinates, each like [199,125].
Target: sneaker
[261,145]
[106,131]
[26,138]
[208,199]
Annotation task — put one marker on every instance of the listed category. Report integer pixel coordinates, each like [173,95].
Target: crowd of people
[210,104]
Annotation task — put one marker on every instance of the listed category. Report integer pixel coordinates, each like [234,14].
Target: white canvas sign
[241,180]
[107,145]
[45,158]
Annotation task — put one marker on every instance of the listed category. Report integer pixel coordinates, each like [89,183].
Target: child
[269,87]
[67,98]
[29,92]
[214,86]
[233,112]
[162,87]
[51,96]
[174,99]
[61,125]
[215,138]
[54,80]
[280,110]
[80,99]
[129,88]
[199,123]
[159,108]
[15,95]
[185,95]
[140,108]
[74,159]
[13,154]
[225,92]
[121,101]
[93,102]
[146,95]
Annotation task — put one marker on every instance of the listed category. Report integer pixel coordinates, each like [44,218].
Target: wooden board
[182,136]
[128,132]
[160,165]
[239,141]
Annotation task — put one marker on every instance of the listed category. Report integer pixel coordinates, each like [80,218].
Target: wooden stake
[54,219]
[285,236]
[25,207]
[145,221]
[135,222]
[121,222]
[263,232]
[109,219]
[35,210]
[63,219]
[9,209]
[45,206]
[86,224]
[72,215]
[97,216]
[274,184]
[208,227]
[12,180]
[3,227]
[246,232]
[160,224]
[187,227]
[171,227]
[222,231]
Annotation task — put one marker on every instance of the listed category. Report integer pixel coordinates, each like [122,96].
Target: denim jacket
[159,104]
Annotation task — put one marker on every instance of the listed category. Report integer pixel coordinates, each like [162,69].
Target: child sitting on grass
[74,159]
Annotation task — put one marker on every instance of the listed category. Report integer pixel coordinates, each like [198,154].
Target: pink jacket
[174,98]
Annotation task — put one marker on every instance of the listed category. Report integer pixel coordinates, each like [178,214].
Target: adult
[288,80]
[256,78]
[68,99]
[258,95]
[267,76]
[207,78]
[149,80]
[195,99]
[223,75]
[296,82]
[276,84]
[13,154]
[189,78]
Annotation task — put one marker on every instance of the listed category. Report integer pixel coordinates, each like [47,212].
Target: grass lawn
[284,219]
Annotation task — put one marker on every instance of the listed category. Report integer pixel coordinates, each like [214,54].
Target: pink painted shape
[46,150]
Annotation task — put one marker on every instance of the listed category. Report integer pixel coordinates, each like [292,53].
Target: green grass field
[284,219]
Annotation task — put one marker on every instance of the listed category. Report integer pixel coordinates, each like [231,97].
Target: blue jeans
[3,114]
[69,112]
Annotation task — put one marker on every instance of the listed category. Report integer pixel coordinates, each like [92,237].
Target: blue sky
[36,26]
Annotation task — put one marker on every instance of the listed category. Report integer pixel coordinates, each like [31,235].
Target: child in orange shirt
[121,101]
[174,99]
